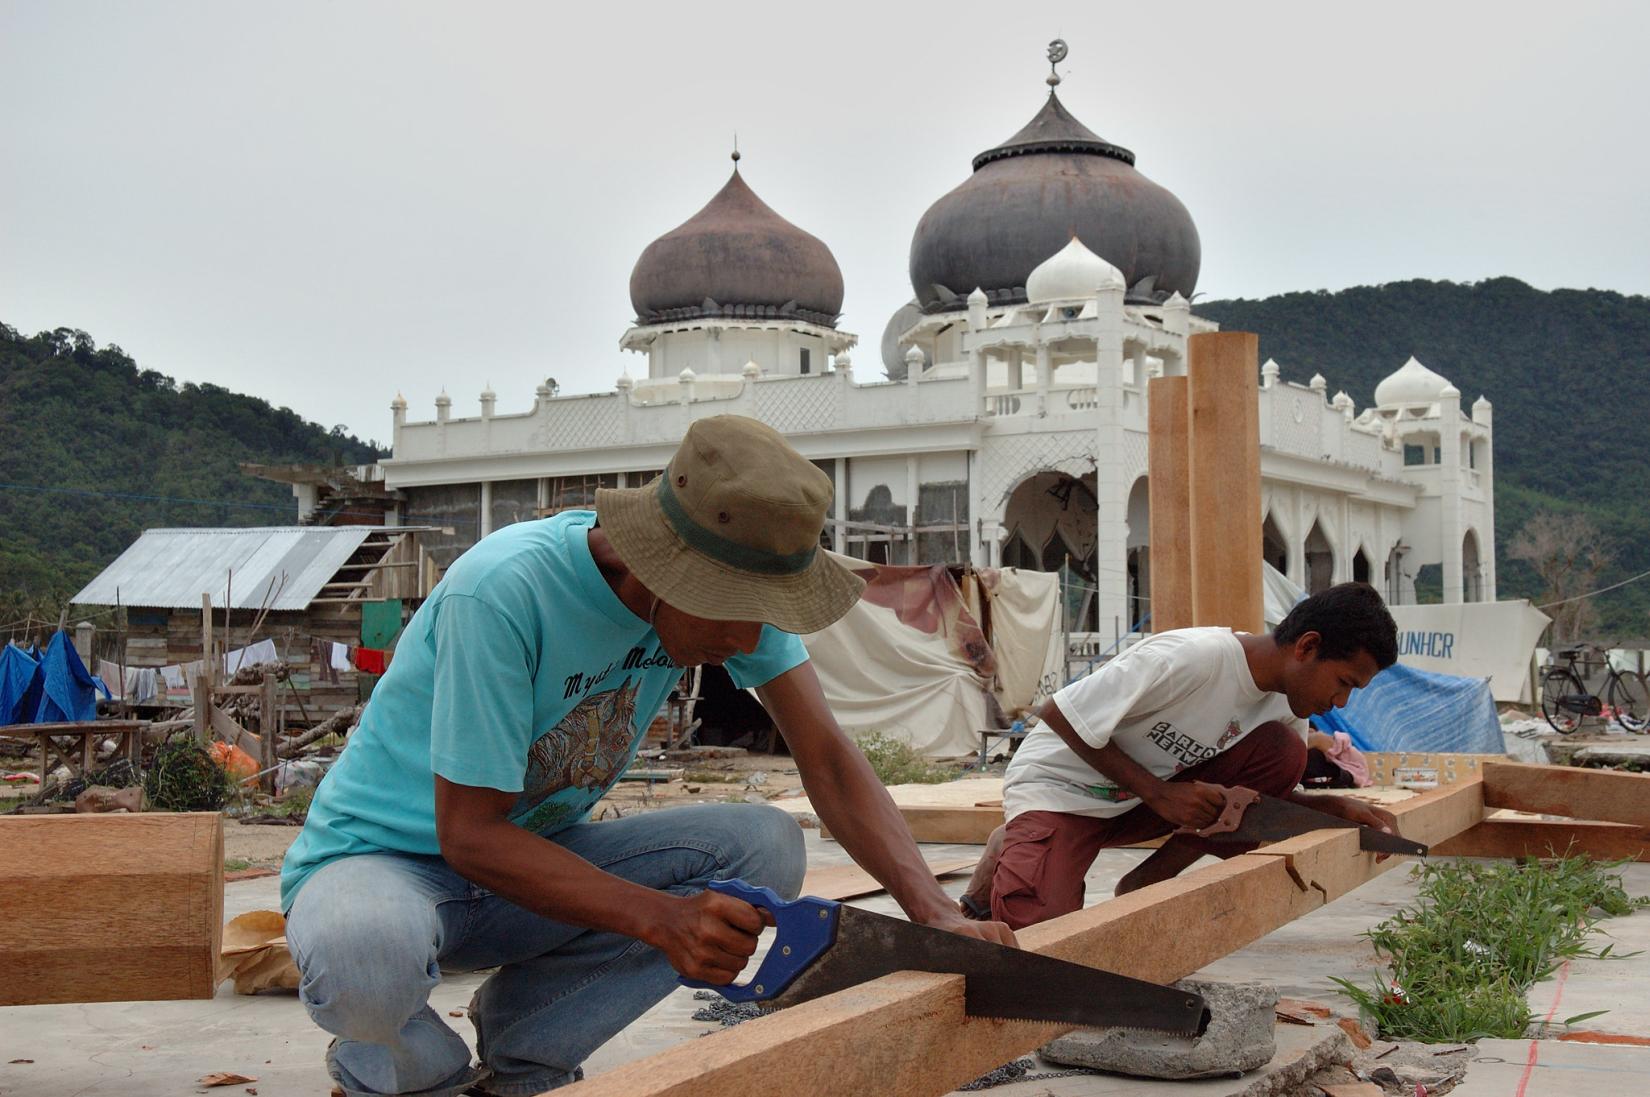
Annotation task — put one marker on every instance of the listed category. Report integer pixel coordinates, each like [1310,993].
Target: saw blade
[1270,819]
[1002,982]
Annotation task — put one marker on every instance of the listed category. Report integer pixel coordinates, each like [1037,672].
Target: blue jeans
[372,934]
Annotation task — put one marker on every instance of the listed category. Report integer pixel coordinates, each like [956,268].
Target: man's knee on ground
[365,980]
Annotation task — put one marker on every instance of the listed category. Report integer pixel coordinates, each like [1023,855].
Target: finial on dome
[751,370]
[625,382]
[1319,384]
[736,156]
[400,402]
[1057,51]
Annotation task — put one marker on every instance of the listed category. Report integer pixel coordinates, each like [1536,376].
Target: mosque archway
[1137,563]
[1274,549]
[1360,566]
[1320,561]
[1472,569]
[1052,522]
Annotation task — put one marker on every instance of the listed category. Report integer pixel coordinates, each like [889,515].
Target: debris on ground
[723,1012]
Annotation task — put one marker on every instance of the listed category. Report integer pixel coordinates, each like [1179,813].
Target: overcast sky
[323,204]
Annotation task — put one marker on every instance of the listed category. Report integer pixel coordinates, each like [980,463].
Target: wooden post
[268,728]
[1223,494]
[202,688]
[1166,485]
[206,640]
[110,908]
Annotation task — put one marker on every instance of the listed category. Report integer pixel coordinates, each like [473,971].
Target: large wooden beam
[110,908]
[1541,838]
[1170,556]
[1599,794]
[906,1035]
[1223,466]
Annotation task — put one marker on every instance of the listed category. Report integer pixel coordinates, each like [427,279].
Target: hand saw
[1251,816]
[824,946]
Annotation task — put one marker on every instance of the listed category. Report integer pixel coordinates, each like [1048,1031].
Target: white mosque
[1005,423]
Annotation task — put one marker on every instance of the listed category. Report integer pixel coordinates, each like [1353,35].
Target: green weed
[1478,936]
[895,763]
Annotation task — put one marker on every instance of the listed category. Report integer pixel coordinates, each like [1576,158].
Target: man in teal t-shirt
[453,833]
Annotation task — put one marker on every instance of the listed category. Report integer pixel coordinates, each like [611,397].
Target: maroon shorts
[1045,854]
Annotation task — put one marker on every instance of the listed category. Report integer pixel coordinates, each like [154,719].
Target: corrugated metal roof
[172,568]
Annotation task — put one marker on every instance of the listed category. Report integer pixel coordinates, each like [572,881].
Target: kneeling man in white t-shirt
[1136,749]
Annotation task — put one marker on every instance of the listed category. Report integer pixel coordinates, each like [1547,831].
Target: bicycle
[1565,698]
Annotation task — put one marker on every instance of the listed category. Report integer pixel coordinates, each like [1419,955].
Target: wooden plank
[960,825]
[1223,479]
[851,881]
[1540,838]
[1600,795]
[906,1035]
[1166,456]
[110,908]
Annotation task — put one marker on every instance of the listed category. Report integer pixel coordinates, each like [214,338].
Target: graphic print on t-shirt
[585,751]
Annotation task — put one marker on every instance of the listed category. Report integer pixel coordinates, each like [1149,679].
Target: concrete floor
[155,1048]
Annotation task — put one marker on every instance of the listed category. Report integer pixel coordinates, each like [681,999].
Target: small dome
[1411,383]
[1053,180]
[1071,274]
[736,258]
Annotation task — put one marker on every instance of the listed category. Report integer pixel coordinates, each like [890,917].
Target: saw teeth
[1188,1034]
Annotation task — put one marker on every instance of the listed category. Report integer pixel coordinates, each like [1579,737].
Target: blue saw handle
[807,927]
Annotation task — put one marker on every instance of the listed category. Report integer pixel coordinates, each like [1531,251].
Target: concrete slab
[1548,1068]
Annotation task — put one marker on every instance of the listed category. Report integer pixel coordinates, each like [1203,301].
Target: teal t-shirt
[521,672]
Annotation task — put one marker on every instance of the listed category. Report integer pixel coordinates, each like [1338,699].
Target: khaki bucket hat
[730,531]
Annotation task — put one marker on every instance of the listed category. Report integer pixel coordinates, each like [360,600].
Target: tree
[1568,553]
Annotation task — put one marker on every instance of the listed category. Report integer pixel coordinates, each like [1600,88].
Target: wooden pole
[268,729]
[206,639]
[1166,485]
[1223,495]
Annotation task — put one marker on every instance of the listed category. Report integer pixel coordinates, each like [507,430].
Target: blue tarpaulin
[70,691]
[20,684]
[1417,710]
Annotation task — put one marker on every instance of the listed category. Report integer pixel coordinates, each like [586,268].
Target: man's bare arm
[1183,803]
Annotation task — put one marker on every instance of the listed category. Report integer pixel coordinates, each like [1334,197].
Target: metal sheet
[172,568]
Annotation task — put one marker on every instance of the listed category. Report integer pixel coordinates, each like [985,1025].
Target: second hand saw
[1251,816]
[823,946]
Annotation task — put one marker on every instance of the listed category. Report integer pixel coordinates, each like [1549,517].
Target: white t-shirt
[1169,702]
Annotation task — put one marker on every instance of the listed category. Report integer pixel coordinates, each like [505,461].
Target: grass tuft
[895,763]
[1478,936]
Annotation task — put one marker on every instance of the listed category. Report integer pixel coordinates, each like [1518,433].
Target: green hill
[93,450]
[1568,373]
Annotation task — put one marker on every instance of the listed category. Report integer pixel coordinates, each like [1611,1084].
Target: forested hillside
[93,450]
[1568,373]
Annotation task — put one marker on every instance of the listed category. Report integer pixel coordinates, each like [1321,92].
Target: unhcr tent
[1407,709]
[1493,640]
[931,662]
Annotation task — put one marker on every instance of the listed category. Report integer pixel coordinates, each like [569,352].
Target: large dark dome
[1029,196]
[737,258]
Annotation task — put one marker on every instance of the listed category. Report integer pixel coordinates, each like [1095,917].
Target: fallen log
[334,725]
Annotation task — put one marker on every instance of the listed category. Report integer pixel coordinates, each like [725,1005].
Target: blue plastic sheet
[70,690]
[1417,710]
[20,685]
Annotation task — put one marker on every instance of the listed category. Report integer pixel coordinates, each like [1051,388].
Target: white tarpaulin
[1493,640]
[911,662]
[1025,636]
[1279,594]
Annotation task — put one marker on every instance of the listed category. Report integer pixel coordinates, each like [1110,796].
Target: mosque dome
[1072,273]
[1029,196]
[1411,383]
[736,258]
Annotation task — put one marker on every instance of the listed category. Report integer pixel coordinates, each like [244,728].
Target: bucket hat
[731,530]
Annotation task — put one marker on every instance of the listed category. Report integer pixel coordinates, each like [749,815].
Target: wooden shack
[294,586]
